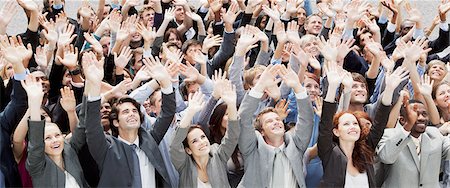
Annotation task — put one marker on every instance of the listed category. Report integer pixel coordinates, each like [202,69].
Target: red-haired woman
[346,150]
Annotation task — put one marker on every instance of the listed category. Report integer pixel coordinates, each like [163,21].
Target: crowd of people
[230,93]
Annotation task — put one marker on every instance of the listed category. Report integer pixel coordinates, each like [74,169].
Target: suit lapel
[412,149]
[129,157]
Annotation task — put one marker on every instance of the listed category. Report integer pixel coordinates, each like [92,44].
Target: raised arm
[19,137]
[177,152]
[168,108]
[95,138]
[325,140]
[230,140]
[36,147]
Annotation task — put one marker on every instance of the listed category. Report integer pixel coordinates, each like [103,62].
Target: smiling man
[414,149]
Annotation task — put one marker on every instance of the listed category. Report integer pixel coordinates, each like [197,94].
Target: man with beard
[413,152]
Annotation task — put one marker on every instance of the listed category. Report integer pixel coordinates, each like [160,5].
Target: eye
[47,138]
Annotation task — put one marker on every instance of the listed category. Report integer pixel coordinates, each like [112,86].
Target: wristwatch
[75,71]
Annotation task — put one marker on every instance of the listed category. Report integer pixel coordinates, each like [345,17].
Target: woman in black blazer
[52,161]
[345,148]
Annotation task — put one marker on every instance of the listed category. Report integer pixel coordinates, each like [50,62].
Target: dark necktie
[136,168]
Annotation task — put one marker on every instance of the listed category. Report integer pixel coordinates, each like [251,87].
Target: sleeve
[226,50]
[15,109]
[247,139]
[95,138]
[78,139]
[379,124]
[229,141]
[177,153]
[36,156]
[142,93]
[164,120]
[236,76]
[325,140]
[205,115]
[305,123]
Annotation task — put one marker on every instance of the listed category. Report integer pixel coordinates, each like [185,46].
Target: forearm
[34,21]
[73,120]
[432,110]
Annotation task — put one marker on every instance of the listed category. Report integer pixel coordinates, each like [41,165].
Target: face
[442,97]
[366,38]
[314,25]
[359,93]
[179,13]
[67,79]
[190,53]
[272,125]
[105,42]
[46,116]
[312,87]
[9,70]
[406,26]
[437,72]
[198,143]
[148,17]
[422,118]
[348,128]
[263,23]
[193,88]
[128,117]
[301,15]
[174,39]
[53,139]
[156,99]
[106,11]
[312,48]
[147,106]
[45,83]
[105,111]
[137,62]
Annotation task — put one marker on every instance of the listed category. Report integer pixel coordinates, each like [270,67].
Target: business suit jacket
[259,157]
[43,171]
[9,119]
[405,169]
[217,164]
[334,160]
[114,158]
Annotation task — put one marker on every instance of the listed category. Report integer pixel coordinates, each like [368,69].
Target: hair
[363,115]
[250,74]
[114,115]
[362,155]
[313,77]
[258,122]
[175,32]
[436,87]
[3,72]
[191,128]
[259,19]
[188,44]
[434,62]
[310,16]
[307,38]
[360,78]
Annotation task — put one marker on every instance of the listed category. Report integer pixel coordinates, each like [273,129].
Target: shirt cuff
[444,26]
[301,95]
[203,10]
[77,85]
[147,53]
[383,19]
[167,90]
[255,94]
[94,98]
[391,27]
[21,76]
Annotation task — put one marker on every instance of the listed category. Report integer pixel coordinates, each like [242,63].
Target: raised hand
[289,77]
[86,10]
[318,103]
[93,70]
[230,16]
[7,12]
[211,41]
[25,52]
[219,80]
[34,91]
[246,42]
[426,86]
[328,50]
[10,52]
[169,14]
[356,9]
[67,101]
[173,57]
[413,51]
[347,81]
[66,37]
[148,33]
[333,76]
[49,30]
[196,103]
[325,9]
[70,57]
[28,5]
[157,71]
[279,31]
[190,72]
[292,32]
[114,21]
[274,13]
[124,32]
[95,44]
[229,94]
[199,57]
[344,48]
[268,78]
[41,57]
[215,5]
[125,55]
[120,89]
[398,76]
[281,108]
[61,22]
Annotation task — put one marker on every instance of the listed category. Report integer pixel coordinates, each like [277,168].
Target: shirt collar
[126,142]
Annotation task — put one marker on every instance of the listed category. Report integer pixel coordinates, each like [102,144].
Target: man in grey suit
[413,152]
[273,158]
[133,158]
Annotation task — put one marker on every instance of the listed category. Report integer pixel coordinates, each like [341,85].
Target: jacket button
[421,185]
